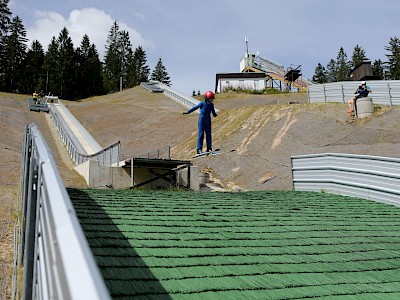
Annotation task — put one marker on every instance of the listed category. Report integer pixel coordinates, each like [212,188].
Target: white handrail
[57,260]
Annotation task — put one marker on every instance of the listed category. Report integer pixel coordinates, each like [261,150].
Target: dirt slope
[264,131]
[265,138]
[142,121]
[14,116]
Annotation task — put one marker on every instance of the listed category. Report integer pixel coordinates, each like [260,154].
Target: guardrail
[160,153]
[369,177]
[106,157]
[78,126]
[177,95]
[55,256]
[384,92]
[152,87]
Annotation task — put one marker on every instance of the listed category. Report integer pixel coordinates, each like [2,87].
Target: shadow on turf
[117,285]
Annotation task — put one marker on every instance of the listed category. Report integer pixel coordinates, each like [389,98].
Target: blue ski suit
[204,125]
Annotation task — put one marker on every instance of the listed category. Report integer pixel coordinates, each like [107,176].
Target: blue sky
[197,39]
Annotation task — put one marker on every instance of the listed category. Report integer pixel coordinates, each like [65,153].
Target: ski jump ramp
[255,63]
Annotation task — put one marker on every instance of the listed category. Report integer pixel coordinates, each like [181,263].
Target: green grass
[253,245]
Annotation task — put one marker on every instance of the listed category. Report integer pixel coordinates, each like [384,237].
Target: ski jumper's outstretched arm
[194,108]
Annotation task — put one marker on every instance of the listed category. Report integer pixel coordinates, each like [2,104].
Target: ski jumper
[204,125]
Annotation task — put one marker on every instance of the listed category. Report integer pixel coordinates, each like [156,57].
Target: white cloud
[91,21]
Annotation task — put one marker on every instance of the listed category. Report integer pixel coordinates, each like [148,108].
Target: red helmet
[209,95]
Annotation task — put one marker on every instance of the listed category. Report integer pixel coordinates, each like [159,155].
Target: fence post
[323,87]
[29,245]
[344,100]
[390,95]
[132,174]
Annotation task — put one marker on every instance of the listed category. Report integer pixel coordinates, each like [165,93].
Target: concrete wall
[97,176]
[142,175]
[182,178]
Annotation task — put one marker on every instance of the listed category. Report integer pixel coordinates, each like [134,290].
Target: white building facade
[240,81]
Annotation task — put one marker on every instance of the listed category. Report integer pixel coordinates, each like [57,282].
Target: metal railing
[82,130]
[178,96]
[270,67]
[160,153]
[106,157]
[55,256]
[369,177]
[152,87]
[384,92]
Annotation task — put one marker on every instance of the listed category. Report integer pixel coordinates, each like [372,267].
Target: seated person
[35,98]
[362,91]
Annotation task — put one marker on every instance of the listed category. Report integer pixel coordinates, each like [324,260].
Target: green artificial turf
[251,245]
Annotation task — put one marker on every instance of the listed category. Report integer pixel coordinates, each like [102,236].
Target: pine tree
[34,77]
[331,71]
[393,63]
[50,68]
[126,57]
[342,66]
[378,69]
[320,75]
[95,72]
[89,73]
[66,65]
[5,14]
[122,65]
[15,52]
[141,70]
[160,74]
[358,57]
[112,61]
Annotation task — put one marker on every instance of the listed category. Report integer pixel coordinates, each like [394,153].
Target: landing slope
[251,245]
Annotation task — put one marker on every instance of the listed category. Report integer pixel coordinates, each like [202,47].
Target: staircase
[253,63]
